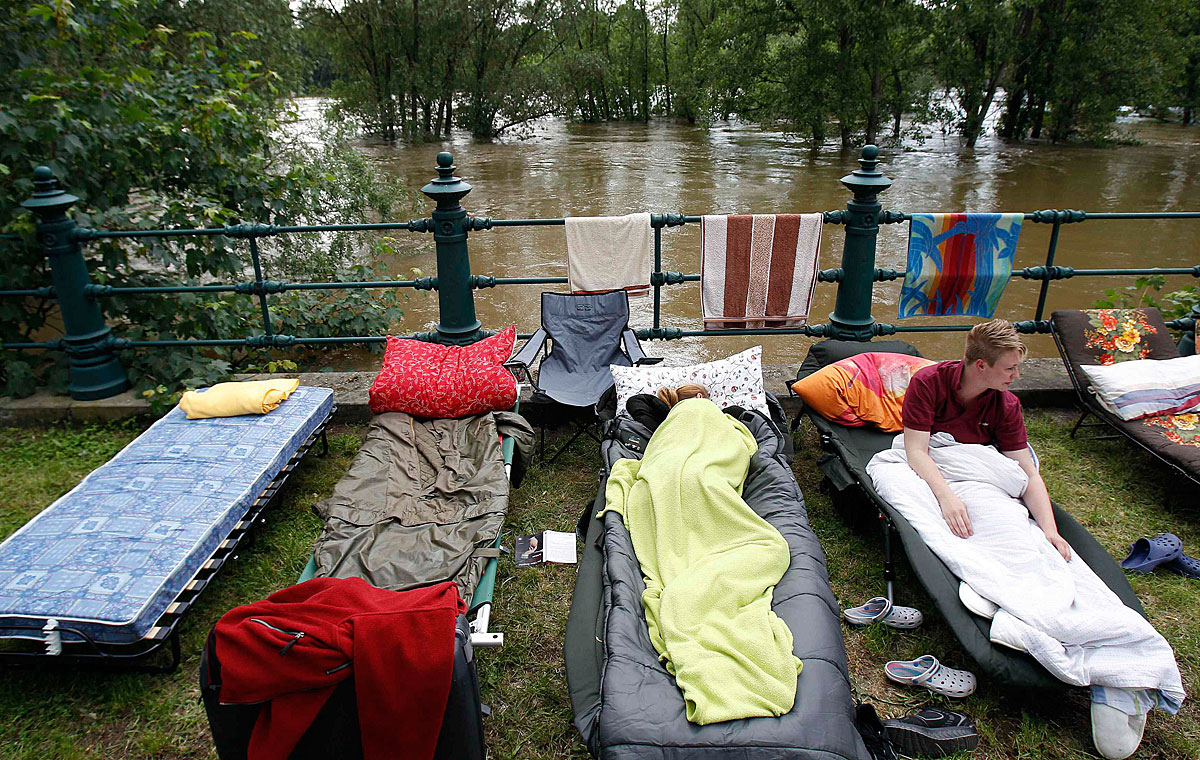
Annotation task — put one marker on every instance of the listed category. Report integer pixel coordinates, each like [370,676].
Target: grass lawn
[1116,492]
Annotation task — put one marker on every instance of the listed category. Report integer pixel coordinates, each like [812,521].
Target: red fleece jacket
[291,649]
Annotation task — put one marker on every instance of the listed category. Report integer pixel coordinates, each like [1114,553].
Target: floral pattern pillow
[1183,429]
[431,380]
[1118,335]
[734,381]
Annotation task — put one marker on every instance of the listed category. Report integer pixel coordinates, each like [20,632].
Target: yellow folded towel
[232,399]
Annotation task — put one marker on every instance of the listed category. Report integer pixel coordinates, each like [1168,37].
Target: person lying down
[710,563]
[963,474]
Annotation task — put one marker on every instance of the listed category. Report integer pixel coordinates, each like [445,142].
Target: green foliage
[154,127]
[1147,291]
[1062,68]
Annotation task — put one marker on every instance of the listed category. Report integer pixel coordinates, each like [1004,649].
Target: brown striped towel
[758,270]
[609,253]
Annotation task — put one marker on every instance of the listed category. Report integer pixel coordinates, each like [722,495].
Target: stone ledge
[1043,382]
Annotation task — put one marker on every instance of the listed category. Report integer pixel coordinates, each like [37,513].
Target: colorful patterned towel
[958,263]
[763,265]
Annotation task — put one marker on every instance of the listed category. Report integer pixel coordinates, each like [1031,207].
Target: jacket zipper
[296,635]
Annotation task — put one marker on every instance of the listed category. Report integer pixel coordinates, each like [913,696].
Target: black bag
[334,734]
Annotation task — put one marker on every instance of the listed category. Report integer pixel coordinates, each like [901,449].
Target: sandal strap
[887,608]
[934,669]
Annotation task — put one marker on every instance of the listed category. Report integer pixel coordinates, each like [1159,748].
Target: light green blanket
[711,565]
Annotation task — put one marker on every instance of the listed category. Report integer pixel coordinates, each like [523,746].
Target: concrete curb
[1043,382]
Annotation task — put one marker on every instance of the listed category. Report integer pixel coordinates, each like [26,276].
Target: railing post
[851,318]
[456,301]
[95,371]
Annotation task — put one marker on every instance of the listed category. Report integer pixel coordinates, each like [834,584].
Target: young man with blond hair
[970,400]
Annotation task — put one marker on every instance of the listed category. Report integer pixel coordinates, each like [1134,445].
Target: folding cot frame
[67,645]
[1089,407]
[481,600]
[1012,667]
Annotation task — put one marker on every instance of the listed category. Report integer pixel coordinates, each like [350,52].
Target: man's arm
[1037,501]
[916,447]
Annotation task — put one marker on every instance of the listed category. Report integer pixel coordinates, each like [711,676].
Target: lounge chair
[626,705]
[1082,343]
[107,571]
[844,464]
[581,335]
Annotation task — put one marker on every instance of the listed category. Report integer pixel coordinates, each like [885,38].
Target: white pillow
[1146,387]
[734,381]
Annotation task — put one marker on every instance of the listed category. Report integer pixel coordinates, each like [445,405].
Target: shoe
[880,609]
[1185,566]
[1148,553]
[932,732]
[873,734]
[928,672]
[1115,734]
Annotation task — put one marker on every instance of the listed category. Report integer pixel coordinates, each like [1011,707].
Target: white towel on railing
[609,253]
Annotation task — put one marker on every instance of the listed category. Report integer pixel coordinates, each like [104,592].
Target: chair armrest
[528,352]
[633,349]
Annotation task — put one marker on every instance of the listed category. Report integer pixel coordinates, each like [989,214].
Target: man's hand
[956,515]
[1060,543]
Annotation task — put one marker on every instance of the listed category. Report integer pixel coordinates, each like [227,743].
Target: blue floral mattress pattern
[110,556]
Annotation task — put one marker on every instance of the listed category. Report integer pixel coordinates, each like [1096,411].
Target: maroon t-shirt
[931,405]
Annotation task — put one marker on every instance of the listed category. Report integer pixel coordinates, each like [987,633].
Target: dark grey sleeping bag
[627,705]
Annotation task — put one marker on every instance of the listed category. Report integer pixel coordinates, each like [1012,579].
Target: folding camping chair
[582,335]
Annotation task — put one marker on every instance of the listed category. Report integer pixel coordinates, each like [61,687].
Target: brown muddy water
[565,170]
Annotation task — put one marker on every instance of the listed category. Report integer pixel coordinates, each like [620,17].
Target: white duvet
[1058,611]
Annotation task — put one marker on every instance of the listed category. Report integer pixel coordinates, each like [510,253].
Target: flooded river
[581,170]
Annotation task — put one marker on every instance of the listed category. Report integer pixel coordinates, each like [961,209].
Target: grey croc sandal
[928,672]
[880,610]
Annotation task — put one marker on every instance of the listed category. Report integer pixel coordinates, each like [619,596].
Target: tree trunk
[666,62]
[1039,117]
[873,110]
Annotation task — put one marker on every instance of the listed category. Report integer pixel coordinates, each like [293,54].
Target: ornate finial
[446,188]
[869,160]
[44,182]
[445,166]
[867,180]
[47,195]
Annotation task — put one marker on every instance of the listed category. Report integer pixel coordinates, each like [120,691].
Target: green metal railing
[92,349]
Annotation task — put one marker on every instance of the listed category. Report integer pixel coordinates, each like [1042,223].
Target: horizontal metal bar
[1143,215]
[240,231]
[670,333]
[928,328]
[529,280]
[47,345]
[1193,271]
[526,222]
[1048,217]
[352,285]
[46,292]
[106,290]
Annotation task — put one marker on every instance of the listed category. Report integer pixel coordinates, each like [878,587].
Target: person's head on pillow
[993,354]
[672,396]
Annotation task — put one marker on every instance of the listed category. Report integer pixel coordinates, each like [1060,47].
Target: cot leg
[889,574]
[324,443]
[480,635]
[1083,416]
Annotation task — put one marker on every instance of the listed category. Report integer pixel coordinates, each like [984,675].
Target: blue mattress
[111,555]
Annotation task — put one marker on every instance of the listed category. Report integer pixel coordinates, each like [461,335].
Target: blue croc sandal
[1148,553]
[1185,565]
